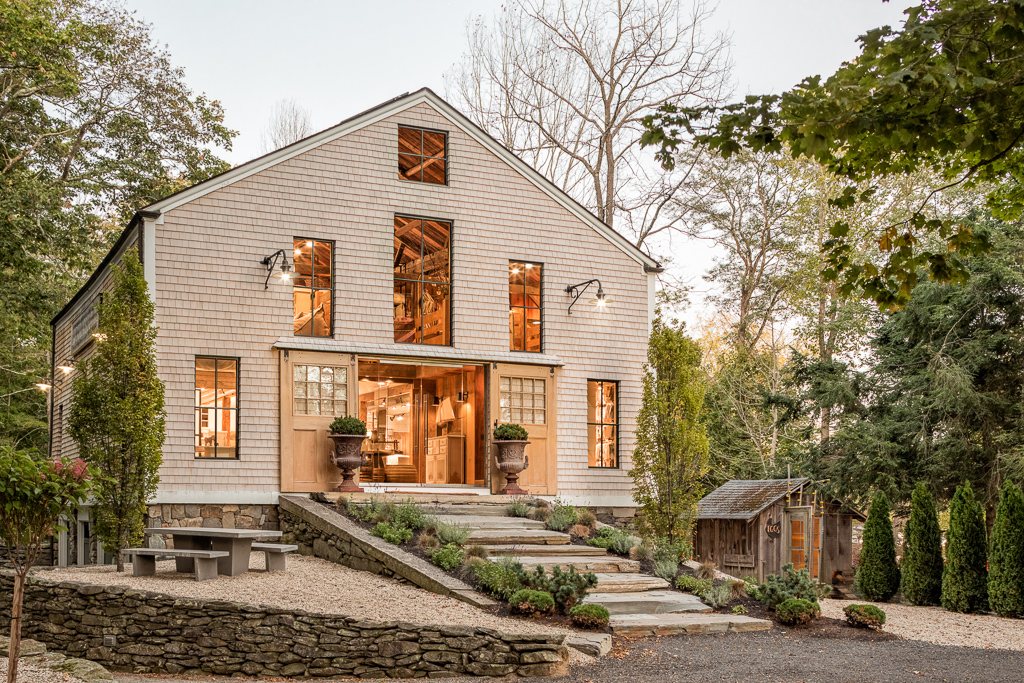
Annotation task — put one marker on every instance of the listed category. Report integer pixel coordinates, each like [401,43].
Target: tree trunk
[14,650]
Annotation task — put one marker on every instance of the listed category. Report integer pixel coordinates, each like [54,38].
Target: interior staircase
[639,604]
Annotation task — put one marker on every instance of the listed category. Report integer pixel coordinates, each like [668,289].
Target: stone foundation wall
[214,516]
[143,632]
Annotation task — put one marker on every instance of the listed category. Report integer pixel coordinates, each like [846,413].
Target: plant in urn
[348,434]
[511,440]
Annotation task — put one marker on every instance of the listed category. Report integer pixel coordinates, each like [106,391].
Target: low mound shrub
[499,578]
[391,533]
[589,616]
[739,609]
[718,596]
[666,569]
[586,518]
[624,542]
[569,588]
[517,508]
[797,611]
[865,616]
[476,550]
[453,533]
[792,584]
[448,557]
[559,520]
[686,583]
[641,553]
[531,602]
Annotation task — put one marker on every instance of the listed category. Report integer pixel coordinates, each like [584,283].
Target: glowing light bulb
[515,271]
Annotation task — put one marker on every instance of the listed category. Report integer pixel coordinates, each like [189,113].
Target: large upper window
[422,155]
[216,407]
[603,423]
[422,297]
[524,318]
[313,287]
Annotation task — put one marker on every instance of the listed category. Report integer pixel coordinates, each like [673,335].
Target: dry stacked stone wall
[129,630]
[214,516]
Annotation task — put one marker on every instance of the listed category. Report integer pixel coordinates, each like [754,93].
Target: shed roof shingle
[744,499]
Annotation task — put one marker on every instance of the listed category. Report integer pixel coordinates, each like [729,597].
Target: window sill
[222,459]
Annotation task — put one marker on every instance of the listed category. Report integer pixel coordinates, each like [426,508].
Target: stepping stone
[648,602]
[638,625]
[628,583]
[546,550]
[488,522]
[593,644]
[519,536]
[610,564]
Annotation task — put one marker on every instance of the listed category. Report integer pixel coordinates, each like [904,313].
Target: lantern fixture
[576,291]
[271,262]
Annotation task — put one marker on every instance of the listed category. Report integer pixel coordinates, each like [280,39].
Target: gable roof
[744,499]
[382,111]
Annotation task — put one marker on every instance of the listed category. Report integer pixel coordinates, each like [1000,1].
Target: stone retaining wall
[214,516]
[130,630]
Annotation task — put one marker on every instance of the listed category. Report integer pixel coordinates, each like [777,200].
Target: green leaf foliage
[117,408]
[531,602]
[1006,555]
[965,580]
[392,533]
[921,568]
[671,454]
[878,575]
[797,611]
[511,432]
[448,556]
[589,616]
[791,584]
[942,94]
[866,616]
[348,425]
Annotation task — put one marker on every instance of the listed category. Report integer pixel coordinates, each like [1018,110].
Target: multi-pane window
[320,390]
[422,155]
[523,400]
[524,318]
[313,287]
[603,423]
[422,296]
[216,405]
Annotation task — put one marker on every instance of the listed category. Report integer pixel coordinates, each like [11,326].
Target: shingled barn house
[753,528]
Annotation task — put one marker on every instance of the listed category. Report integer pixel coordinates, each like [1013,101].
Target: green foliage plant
[964,579]
[541,513]
[428,543]
[671,454]
[791,584]
[448,556]
[718,596]
[797,612]
[500,578]
[528,601]
[1006,555]
[666,549]
[409,515]
[117,409]
[569,588]
[559,520]
[865,616]
[589,616]
[666,569]
[511,432]
[348,425]
[921,567]
[878,575]
[518,507]
[453,533]
[391,533]
[703,586]
[686,583]
[34,495]
[623,542]
[642,552]
[739,609]
[477,550]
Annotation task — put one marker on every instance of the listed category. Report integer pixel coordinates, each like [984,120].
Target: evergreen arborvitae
[921,568]
[878,576]
[1006,555]
[964,580]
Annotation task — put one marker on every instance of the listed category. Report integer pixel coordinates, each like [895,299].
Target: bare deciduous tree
[289,122]
[566,83]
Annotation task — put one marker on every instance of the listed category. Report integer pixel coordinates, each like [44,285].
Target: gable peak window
[313,287]
[423,283]
[524,306]
[423,155]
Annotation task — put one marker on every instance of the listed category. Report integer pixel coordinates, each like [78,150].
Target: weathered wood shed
[754,527]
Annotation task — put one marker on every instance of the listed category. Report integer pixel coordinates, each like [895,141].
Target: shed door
[798,535]
[525,395]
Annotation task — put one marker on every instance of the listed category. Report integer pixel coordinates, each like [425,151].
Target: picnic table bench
[204,562]
[236,544]
[274,554]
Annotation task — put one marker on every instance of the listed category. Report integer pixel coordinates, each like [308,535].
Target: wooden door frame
[493,387]
[807,512]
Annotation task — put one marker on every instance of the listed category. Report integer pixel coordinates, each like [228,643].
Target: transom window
[320,390]
[523,400]
[603,423]
[422,155]
[422,291]
[313,287]
[216,406]
[524,310]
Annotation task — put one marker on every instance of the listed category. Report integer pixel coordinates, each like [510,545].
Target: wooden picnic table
[237,543]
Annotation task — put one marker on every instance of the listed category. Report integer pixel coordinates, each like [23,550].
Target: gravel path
[936,625]
[313,585]
[27,673]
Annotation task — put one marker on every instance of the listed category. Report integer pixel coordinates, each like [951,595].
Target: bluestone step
[609,564]
[628,583]
[545,550]
[648,602]
[519,537]
[638,625]
[490,522]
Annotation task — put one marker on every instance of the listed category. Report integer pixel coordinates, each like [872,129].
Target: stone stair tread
[491,522]
[519,536]
[637,625]
[569,550]
[648,602]
[609,564]
[628,583]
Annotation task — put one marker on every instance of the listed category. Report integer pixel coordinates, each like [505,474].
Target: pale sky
[339,58]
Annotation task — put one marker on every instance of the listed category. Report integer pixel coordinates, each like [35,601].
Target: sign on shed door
[525,395]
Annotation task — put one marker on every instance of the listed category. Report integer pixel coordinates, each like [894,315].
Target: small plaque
[773,528]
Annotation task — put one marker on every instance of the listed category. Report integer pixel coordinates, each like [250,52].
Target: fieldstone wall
[214,516]
[129,630]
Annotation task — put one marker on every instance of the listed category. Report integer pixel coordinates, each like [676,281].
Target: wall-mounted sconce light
[271,262]
[576,291]
[43,386]
[66,367]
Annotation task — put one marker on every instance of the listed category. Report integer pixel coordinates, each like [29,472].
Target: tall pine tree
[117,409]
[921,568]
[1006,555]
[964,580]
[878,576]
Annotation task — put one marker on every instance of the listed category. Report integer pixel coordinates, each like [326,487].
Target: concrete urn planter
[511,459]
[348,458]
